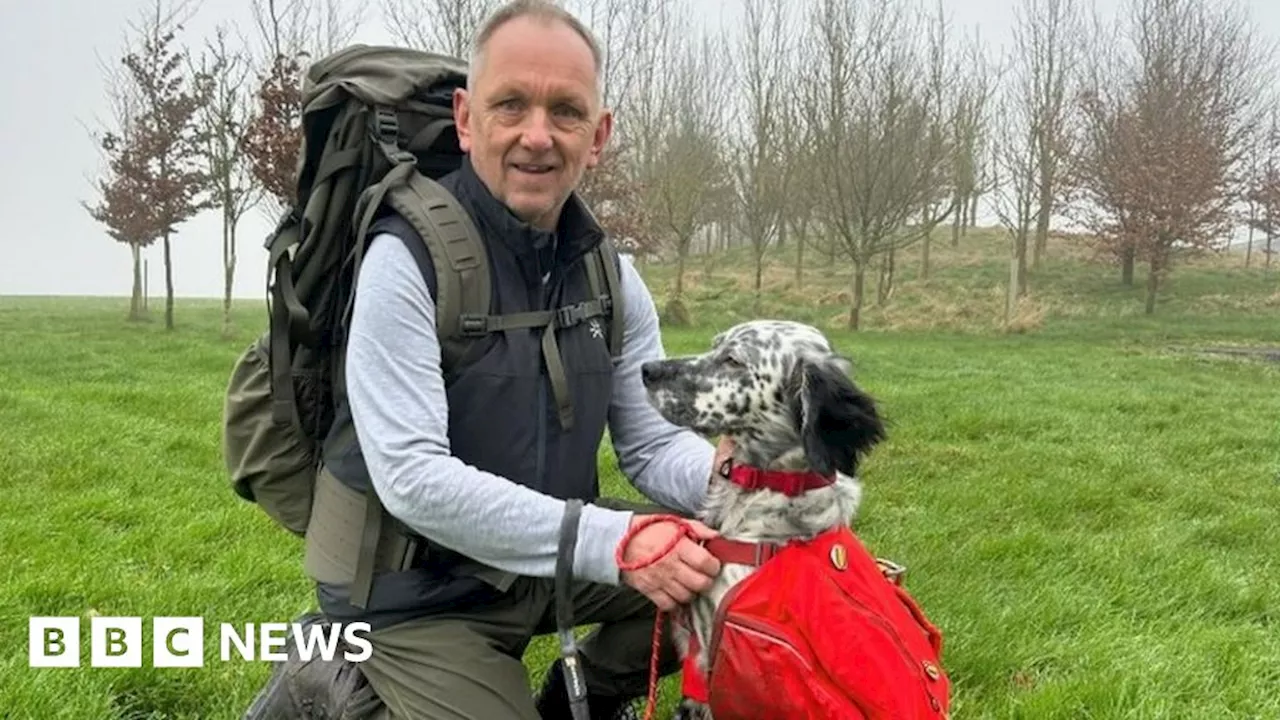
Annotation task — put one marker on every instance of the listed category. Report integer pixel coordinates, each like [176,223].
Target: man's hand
[674,580]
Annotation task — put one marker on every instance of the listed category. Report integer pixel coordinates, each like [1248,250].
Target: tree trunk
[885,288]
[682,251]
[973,213]
[1253,217]
[803,230]
[924,249]
[1042,228]
[855,304]
[229,270]
[1011,296]
[168,282]
[759,274]
[1020,255]
[135,300]
[1153,284]
[1126,269]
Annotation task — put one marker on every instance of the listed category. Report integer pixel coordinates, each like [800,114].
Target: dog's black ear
[839,422]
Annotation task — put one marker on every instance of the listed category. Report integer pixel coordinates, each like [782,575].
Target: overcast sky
[52,91]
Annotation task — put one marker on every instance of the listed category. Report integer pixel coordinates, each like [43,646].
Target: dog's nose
[653,370]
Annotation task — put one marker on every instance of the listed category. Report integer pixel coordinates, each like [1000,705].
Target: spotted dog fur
[785,397]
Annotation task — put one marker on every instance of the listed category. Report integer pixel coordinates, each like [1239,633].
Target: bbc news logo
[179,642]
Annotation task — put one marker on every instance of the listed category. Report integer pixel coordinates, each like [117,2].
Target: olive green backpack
[378,131]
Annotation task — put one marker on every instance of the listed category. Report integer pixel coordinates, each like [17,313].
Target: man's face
[532,122]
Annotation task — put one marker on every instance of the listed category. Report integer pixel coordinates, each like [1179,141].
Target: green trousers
[467,665]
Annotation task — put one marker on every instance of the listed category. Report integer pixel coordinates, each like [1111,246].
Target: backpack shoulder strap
[461,263]
[603,263]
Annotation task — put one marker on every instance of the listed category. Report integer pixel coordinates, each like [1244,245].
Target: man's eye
[569,111]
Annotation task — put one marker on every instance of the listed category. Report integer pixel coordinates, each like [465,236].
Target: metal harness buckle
[891,570]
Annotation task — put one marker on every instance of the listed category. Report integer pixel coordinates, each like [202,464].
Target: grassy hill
[1086,507]
[966,287]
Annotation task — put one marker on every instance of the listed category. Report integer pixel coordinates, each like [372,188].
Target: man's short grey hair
[547,11]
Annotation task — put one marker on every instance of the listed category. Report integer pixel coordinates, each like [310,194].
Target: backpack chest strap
[475,325]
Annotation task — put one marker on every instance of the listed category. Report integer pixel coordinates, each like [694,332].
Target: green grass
[1087,509]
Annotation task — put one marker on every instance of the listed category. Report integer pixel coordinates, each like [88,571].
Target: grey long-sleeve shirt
[398,403]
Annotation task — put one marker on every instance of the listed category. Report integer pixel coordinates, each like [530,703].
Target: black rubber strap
[575,683]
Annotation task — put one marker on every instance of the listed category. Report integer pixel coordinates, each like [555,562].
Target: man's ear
[604,130]
[839,422]
[461,118]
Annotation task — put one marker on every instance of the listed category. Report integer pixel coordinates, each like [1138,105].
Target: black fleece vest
[502,414]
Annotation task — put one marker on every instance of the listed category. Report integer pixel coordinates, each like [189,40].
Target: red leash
[686,531]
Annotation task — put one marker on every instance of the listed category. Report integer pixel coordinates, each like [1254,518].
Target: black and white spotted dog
[786,398]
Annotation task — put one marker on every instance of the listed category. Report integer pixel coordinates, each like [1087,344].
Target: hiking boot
[315,688]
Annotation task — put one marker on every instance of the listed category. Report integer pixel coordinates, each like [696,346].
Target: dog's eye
[732,361]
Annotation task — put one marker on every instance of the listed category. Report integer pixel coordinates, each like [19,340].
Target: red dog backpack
[819,632]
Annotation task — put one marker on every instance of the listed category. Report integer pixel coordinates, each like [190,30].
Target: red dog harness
[820,630]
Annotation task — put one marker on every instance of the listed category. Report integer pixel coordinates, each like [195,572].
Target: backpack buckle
[386,125]
[571,315]
[473,325]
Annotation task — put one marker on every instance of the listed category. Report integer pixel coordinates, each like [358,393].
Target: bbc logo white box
[177,642]
[53,642]
[115,642]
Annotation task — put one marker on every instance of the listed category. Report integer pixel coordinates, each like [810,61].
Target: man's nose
[537,135]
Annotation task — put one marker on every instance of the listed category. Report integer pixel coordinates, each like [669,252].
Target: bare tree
[310,28]
[1035,132]
[880,148]
[1168,122]
[795,138]
[689,166]
[290,33]
[958,89]
[1263,193]
[1048,49]
[225,124]
[970,145]
[442,26]
[1015,196]
[755,148]
[637,36]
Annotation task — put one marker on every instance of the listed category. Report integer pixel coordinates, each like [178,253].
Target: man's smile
[533,169]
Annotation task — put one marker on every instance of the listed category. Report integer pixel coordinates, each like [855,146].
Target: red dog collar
[787,482]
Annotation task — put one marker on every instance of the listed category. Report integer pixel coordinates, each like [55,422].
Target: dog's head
[775,387]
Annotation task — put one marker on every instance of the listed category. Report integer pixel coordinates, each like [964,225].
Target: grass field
[1087,509]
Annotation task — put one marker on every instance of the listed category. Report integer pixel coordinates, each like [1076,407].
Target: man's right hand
[675,579]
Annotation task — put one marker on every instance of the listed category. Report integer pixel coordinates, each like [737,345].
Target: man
[481,464]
